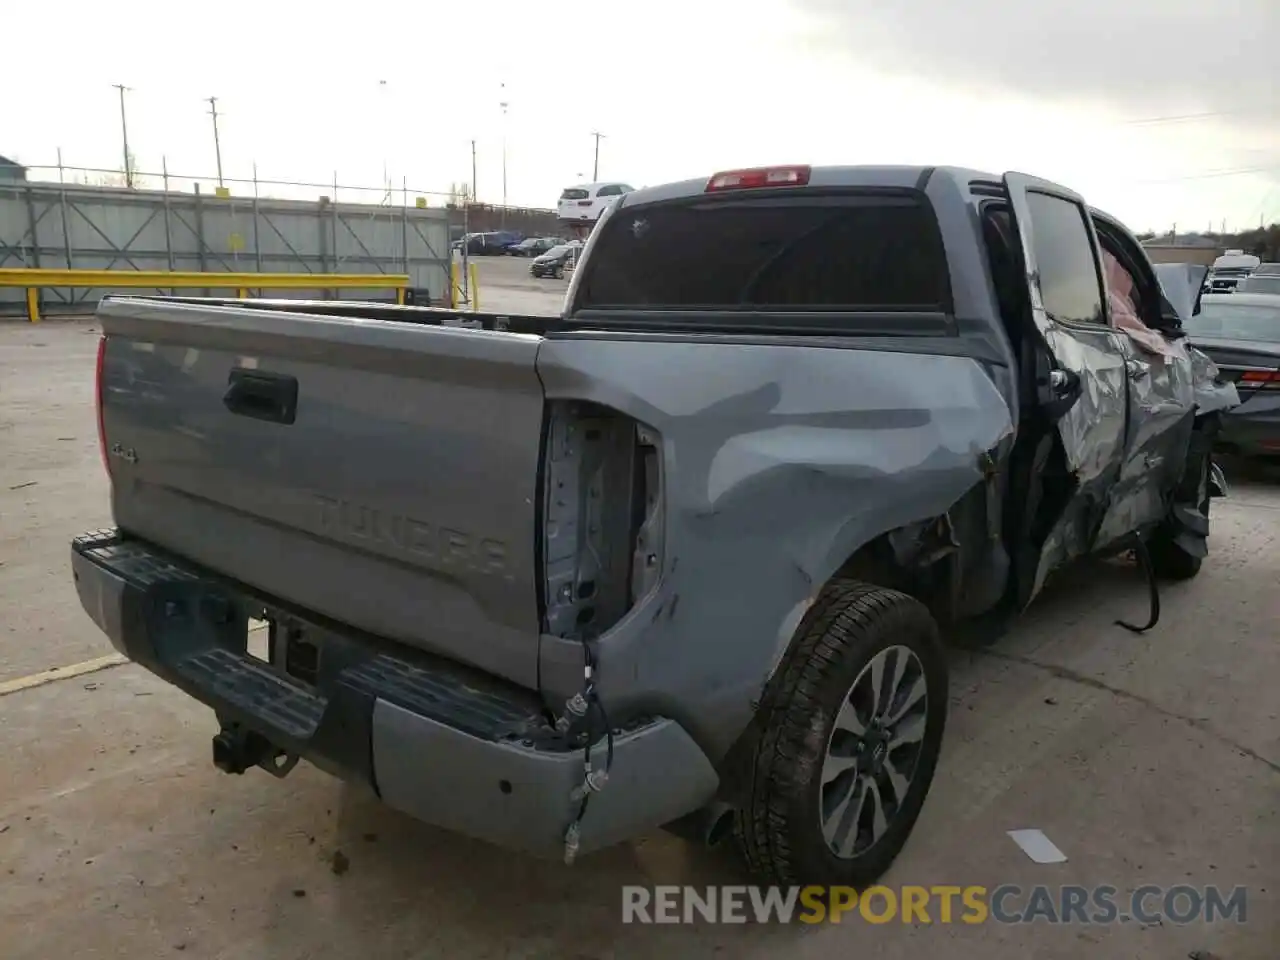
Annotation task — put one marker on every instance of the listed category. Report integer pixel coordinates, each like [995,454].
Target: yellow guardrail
[456,292]
[34,279]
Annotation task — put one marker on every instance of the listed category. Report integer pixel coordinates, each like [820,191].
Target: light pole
[217,145]
[386,180]
[503,104]
[595,166]
[124,135]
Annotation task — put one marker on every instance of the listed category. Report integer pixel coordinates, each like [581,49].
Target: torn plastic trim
[1212,391]
[1218,481]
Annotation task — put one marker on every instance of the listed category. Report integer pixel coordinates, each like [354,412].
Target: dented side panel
[778,463]
[1093,430]
[1161,414]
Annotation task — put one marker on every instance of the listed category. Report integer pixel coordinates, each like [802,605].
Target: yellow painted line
[55,674]
[61,673]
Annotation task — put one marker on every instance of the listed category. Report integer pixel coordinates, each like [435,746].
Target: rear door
[1081,376]
[1161,393]
[605,196]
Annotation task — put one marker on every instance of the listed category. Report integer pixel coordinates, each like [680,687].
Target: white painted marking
[1037,846]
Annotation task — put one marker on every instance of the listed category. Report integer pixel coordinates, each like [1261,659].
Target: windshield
[558,251]
[1236,321]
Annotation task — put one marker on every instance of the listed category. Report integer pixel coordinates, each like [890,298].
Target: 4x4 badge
[124,453]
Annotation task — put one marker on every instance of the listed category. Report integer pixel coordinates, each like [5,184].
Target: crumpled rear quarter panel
[780,461]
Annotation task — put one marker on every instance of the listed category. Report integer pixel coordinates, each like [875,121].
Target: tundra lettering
[355,522]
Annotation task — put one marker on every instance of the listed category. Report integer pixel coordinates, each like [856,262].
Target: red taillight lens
[98,400]
[757,177]
[1270,379]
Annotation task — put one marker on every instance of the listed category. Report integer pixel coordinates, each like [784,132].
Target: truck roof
[904,177]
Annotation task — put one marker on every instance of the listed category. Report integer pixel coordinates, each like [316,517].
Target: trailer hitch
[236,749]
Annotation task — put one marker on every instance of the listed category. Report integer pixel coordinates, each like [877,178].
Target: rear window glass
[574,193]
[816,253]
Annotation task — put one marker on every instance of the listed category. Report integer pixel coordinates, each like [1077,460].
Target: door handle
[261,395]
[1136,369]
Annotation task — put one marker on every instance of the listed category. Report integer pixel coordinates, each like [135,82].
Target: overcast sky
[1161,111]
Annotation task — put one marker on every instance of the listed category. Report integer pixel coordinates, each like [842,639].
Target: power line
[1212,174]
[1180,118]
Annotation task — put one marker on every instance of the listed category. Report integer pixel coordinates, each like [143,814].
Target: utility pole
[503,105]
[386,129]
[217,145]
[124,135]
[595,166]
[474,192]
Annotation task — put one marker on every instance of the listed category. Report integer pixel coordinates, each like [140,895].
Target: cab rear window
[816,253]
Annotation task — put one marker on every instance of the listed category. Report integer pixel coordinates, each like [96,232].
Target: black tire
[559,274]
[1168,560]
[1171,562]
[779,827]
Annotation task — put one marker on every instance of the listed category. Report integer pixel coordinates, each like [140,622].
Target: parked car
[682,555]
[1229,269]
[1241,333]
[493,244]
[1259,283]
[585,202]
[1267,270]
[555,261]
[534,246]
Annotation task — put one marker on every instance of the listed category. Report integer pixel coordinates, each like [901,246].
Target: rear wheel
[851,739]
[1169,560]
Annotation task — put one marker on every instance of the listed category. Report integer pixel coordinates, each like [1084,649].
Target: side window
[1124,296]
[1064,258]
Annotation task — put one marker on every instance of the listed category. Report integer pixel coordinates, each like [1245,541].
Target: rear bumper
[445,745]
[1253,428]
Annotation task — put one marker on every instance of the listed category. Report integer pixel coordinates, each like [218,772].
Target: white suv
[585,202]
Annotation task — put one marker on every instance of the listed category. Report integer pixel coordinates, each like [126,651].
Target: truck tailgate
[381,474]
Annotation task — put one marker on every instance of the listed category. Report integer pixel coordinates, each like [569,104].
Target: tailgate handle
[261,395]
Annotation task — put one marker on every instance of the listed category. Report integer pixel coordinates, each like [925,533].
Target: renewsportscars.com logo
[1006,904]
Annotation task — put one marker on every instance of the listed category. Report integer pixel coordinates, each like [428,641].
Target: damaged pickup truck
[680,556]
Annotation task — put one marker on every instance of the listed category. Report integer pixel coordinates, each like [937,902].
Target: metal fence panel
[84,227]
